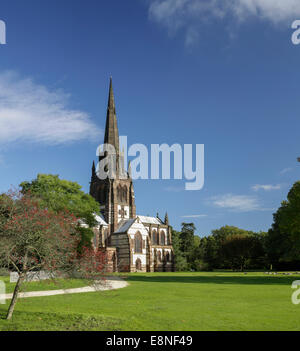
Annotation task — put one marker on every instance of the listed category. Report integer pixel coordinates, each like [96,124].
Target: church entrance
[138,265]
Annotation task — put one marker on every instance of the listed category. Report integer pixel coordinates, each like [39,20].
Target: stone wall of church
[121,242]
[140,261]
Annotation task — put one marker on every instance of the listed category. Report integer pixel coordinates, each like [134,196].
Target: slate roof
[149,220]
[125,224]
[100,219]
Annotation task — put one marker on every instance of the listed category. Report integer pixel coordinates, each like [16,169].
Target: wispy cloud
[188,14]
[286,170]
[194,216]
[267,187]
[30,112]
[239,203]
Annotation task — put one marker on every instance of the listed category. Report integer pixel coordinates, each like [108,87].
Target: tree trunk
[15,296]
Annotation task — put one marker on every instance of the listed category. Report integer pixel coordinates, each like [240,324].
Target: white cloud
[187,14]
[194,216]
[32,113]
[267,187]
[286,170]
[239,203]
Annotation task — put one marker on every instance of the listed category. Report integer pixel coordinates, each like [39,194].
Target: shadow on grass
[214,279]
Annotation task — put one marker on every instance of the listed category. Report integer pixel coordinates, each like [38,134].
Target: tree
[283,240]
[33,238]
[187,238]
[210,252]
[220,235]
[227,230]
[238,249]
[60,195]
[180,260]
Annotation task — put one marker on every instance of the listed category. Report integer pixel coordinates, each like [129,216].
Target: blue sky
[224,74]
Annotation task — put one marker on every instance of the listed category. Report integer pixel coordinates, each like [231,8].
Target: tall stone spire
[111,129]
[129,169]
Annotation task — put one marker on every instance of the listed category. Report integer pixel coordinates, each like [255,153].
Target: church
[133,243]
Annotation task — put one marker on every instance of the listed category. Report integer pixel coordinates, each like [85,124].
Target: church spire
[129,169]
[93,171]
[111,129]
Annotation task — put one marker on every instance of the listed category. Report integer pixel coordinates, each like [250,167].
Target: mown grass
[168,301]
[51,284]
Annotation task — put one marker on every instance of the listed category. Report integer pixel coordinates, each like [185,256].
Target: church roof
[100,220]
[125,225]
[149,220]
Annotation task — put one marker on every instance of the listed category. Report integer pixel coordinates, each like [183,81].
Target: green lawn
[168,301]
[46,285]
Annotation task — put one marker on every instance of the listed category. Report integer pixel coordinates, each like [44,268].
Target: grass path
[46,284]
[110,283]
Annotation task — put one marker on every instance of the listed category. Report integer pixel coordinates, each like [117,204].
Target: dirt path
[110,283]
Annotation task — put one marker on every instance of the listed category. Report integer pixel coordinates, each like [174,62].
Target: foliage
[34,238]
[60,195]
[227,247]
[180,260]
[86,236]
[238,249]
[283,240]
[187,238]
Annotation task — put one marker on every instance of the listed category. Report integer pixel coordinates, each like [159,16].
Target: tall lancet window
[138,243]
[162,238]
[154,237]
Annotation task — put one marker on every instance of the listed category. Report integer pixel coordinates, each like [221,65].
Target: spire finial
[166,219]
[129,169]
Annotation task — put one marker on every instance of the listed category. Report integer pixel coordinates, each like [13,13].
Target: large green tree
[283,240]
[239,249]
[180,260]
[227,230]
[59,195]
[187,238]
[210,252]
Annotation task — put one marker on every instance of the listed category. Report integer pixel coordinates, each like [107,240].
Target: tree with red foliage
[33,238]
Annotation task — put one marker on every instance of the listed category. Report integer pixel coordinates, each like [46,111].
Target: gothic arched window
[154,237]
[138,243]
[159,256]
[119,193]
[162,238]
[124,193]
[167,257]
